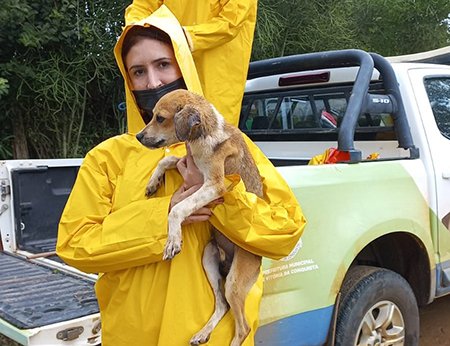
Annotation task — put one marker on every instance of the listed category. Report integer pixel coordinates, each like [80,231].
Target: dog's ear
[187,123]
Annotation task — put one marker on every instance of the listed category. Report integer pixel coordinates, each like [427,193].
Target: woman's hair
[137,33]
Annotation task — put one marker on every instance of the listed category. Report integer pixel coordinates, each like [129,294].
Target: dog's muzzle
[150,142]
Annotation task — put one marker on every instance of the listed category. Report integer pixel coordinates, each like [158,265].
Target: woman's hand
[193,180]
[189,171]
[203,214]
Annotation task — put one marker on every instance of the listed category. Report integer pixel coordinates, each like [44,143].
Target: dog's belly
[226,251]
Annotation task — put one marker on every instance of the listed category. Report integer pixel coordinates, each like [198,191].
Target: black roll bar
[401,124]
[358,97]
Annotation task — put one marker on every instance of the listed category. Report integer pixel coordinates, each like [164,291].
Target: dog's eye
[160,119]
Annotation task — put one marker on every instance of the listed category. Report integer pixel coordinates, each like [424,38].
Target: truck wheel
[378,307]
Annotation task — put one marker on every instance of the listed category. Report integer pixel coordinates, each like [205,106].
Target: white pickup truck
[377,242]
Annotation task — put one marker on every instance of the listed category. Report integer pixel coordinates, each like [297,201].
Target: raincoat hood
[164,20]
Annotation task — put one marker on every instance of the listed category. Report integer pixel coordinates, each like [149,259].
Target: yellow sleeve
[140,9]
[97,239]
[269,226]
[222,28]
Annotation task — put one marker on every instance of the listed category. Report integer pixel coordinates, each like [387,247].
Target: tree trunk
[20,147]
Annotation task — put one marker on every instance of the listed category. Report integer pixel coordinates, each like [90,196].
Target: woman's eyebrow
[134,67]
[162,59]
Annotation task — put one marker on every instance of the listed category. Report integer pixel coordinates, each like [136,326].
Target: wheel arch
[405,254]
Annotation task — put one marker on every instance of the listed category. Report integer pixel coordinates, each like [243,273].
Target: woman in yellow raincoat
[220,35]
[109,227]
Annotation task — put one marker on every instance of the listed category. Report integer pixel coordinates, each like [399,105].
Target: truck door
[433,100]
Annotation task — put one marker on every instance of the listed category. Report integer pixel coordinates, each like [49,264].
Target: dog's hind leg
[158,175]
[211,266]
[243,275]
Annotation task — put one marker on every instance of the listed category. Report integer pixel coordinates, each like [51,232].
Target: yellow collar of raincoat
[164,20]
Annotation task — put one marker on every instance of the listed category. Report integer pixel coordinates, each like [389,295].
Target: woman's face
[151,64]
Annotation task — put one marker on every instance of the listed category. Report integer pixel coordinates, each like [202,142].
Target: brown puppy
[217,149]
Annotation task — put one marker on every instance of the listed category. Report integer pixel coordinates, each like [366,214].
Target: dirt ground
[434,325]
[4,341]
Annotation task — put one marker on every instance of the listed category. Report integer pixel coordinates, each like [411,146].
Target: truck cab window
[315,114]
[438,90]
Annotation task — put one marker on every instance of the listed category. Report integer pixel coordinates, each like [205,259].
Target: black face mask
[146,99]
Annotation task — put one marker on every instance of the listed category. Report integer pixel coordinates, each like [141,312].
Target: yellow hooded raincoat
[109,227]
[221,36]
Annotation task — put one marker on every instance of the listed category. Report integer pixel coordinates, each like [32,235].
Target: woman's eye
[164,64]
[138,72]
[160,119]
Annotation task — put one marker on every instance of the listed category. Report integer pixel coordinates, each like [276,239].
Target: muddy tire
[378,307]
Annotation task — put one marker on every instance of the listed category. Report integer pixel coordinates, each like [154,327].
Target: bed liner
[33,295]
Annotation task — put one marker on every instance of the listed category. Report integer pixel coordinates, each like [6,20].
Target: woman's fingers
[188,170]
[203,214]
[195,218]
[182,167]
[182,193]
[188,150]
[217,201]
[190,190]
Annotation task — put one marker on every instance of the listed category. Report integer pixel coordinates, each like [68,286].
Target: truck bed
[34,295]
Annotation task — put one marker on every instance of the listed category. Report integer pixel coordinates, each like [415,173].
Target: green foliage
[303,27]
[270,26]
[4,86]
[63,80]
[5,147]
[401,27]
[393,27]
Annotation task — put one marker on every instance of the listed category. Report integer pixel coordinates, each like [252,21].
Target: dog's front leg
[158,175]
[206,194]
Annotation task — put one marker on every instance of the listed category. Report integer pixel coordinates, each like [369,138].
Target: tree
[395,27]
[302,27]
[57,58]
[398,27]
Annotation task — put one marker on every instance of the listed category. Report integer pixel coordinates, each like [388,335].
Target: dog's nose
[140,136]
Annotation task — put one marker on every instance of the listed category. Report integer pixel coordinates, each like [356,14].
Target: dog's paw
[172,248]
[150,190]
[153,185]
[200,338]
